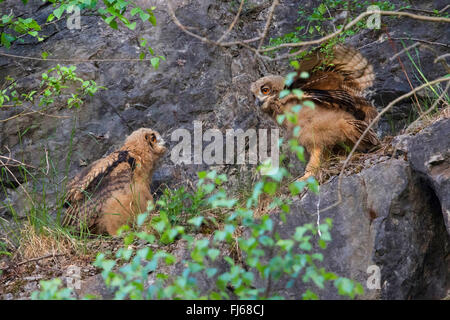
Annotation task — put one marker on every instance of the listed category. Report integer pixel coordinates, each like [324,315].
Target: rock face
[390,217]
[429,153]
[393,215]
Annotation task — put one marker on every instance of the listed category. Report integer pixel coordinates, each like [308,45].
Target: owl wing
[87,192]
[345,69]
[333,99]
[338,81]
[355,129]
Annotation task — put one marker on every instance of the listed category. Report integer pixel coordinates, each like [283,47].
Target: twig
[73,60]
[236,18]
[268,23]
[351,24]
[442,57]
[424,41]
[51,255]
[46,160]
[204,39]
[426,11]
[403,69]
[33,112]
[17,181]
[403,51]
[439,99]
[18,162]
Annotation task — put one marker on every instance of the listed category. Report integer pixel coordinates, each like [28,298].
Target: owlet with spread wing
[336,85]
[113,190]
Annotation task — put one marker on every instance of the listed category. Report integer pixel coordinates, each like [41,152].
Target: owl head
[266,89]
[146,143]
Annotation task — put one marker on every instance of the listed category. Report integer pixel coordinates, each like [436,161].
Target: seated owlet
[113,190]
[341,113]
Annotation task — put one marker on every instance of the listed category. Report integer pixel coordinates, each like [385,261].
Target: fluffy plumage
[336,85]
[113,190]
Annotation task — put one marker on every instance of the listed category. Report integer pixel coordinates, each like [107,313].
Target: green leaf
[145,16]
[295,64]
[59,12]
[290,78]
[322,9]
[281,118]
[210,272]
[313,185]
[213,254]
[322,244]
[298,93]
[309,104]
[113,24]
[296,187]
[270,187]
[201,174]
[141,218]
[304,75]
[152,18]
[296,109]
[155,62]
[134,11]
[196,221]
[131,26]
[6,39]
[309,295]
[284,93]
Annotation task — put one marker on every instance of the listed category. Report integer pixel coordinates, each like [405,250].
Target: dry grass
[36,244]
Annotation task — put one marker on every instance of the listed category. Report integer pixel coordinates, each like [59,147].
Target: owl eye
[265,90]
[151,138]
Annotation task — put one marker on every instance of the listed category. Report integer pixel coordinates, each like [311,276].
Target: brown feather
[112,190]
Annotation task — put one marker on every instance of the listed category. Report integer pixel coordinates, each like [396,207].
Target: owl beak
[258,102]
[160,141]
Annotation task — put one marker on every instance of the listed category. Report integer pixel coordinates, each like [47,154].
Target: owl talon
[305,176]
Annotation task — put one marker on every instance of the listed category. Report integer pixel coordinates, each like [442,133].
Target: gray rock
[94,286]
[387,219]
[429,155]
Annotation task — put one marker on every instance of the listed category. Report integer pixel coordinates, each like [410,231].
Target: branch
[17,181]
[73,60]
[236,18]
[268,22]
[351,24]
[17,161]
[204,39]
[433,106]
[51,255]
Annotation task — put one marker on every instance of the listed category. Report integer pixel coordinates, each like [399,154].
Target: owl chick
[336,85]
[113,190]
